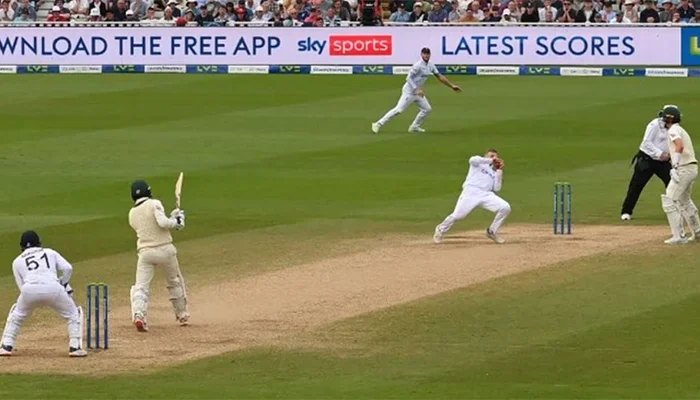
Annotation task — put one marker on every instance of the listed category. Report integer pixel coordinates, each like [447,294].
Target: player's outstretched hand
[456,88]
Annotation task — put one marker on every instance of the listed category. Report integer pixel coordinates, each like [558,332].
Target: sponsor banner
[207,69]
[690,46]
[248,69]
[37,69]
[372,69]
[165,69]
[667,72]
[624,72]
[451,45]
[331,70]
[580,71]
[8,69]
[496,70]
[540,71]
[401,70]
[123,69]
[80,69]
[290,69]
[457,69]
[694,73]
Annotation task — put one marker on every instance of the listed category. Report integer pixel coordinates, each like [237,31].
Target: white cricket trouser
[679,193]
[166,258]
[472,198]
[51,295]
[406,100]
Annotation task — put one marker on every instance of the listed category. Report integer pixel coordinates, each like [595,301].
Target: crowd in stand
[545,11]
[341,12]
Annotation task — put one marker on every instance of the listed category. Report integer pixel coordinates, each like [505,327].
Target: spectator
[314,15]
[530,15]
[547,6]
[567,13]
[438,14]
[190,5]
[696,18]
[140,8]
[6,12]
[469,17]
[620,18]
[159,5]
[230,8]
[607,14]
[62,8]
[168,16]
[676,18]
[650,14]
[22,17]
[558,4]
[130,16]
[475,6]
[342,12]
[150,17]
[204,18]
[666,13]
[549,16]
[120,10]
[493,15]
[292,18]
[189,16]
[507,17]
[213,7]
[400,15]
[258,17]
[267,13]
[277,20]
[79,7]
[631,12]
[95,15]
[514,11]
[251,5]
[587,13]
[331,18]
[455,13]
[685,11]
[25,6]
[56,15]
[173,4]
[100,6]
[417,15]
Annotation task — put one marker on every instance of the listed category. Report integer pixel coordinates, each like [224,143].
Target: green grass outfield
[292,158]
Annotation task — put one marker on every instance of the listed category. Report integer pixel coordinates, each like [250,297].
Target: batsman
[677,202]
[155,249]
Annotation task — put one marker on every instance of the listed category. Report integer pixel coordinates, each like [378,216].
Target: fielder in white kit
[36,273]
[413,92]
[485,177]
[155,248]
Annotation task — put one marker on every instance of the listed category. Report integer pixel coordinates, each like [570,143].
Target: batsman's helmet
[671,114]
[29,239]
[140,189]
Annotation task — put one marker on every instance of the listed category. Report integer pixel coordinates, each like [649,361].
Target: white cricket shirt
[688,155]
[655,139]
[419,73]
[482,176]
[37,265]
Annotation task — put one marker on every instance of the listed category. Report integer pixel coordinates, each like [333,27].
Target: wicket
[562,208]
[95,286]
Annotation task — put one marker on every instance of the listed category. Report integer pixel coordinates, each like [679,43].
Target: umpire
[652,159]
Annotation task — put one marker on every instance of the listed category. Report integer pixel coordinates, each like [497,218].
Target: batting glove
[674,175]
[180,219]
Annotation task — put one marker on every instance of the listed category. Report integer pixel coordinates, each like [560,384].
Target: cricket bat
[178,190]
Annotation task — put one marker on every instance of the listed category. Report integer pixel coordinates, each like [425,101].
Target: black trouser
[644,168]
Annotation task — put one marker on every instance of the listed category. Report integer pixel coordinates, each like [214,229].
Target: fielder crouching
[155,248]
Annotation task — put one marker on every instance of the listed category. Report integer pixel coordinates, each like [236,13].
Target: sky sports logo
[349,45]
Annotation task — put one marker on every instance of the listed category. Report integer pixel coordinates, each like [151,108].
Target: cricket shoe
[375,127]
[5,351]
[76,353]
[416,129]
[437,237]
[494,237]
[625,217]
[184,320]
[140,324]
[674,241]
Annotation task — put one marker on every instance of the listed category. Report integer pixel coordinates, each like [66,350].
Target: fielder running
[36,273]
[155,248]
[485,177]
[413,92]
[676,202]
